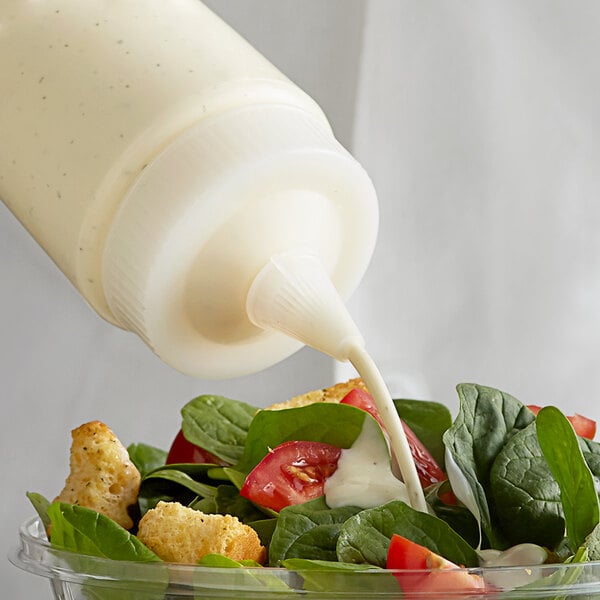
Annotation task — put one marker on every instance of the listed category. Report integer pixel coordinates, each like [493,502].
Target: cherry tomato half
[583,426]
[182,451]
[427,468]
[292,473]
[443,576]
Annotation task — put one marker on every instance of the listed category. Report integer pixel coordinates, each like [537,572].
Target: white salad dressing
[364,475]
[519,555]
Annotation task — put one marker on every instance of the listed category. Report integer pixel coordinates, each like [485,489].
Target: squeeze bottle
[188,190]
[161,161]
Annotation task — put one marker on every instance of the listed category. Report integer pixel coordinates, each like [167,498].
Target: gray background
[479,124]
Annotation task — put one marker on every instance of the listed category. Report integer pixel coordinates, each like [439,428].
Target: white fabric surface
[479,123]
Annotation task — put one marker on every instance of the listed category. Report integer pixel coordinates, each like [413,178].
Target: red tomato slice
[292,473]
[443,576]
[183,451]
[583,426]
[427,468]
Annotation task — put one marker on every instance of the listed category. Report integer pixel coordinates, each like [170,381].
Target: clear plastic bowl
[74,576]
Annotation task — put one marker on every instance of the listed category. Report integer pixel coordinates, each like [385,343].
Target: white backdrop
[479,123]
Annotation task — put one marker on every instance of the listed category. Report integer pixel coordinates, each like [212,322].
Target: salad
[505,483]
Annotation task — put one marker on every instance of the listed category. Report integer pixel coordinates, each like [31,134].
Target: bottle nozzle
[294,294]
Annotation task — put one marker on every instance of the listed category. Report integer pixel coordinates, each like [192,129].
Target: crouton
[102,476]
[335,393]
[180,534]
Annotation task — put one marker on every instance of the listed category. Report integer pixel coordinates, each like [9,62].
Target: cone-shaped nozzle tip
[294,294]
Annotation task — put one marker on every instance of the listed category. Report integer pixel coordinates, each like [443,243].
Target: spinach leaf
[146,458]
[41,505]
[87,532]
[560,447]
[308,530]
[175,483]
[236,477]
[247,578]
[335,424]
[221,561]
[227,501]
[184,480]
[365,537]
[205,505]
[360,581]
[526,495]
[487,419]
[88,535]
[218,425]
[265,529]
[591,453]
[308,564]
[456,515]
[429,421]
[592,544]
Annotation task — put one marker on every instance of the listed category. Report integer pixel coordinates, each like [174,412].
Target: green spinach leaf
[181,483]
[456,515]
[560,447]
[526,495]
[218,425]
[365,537]
[87,532]
[184,480]
[227,501]
[221,561]
[344,578]
[592,544]
[335,424]
[88,535]
[248,579]
[308,530]
[487,419]
[146,458]
[429,421]
[591,454]
[265,529]
[41,506]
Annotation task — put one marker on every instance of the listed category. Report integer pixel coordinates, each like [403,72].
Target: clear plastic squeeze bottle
[161,161]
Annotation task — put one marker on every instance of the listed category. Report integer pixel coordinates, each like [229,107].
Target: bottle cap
[208,213]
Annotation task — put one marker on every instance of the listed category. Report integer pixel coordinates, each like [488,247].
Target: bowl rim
[36,555]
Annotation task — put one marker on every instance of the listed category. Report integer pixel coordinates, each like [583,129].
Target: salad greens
[566,462]
[429,421]
[218,425]
[91,533]
[526,496]
[377,525]
[514,477]
[486,421]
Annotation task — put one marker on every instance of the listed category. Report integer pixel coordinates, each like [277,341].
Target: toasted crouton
[177,533]
[102,476]
[331,394]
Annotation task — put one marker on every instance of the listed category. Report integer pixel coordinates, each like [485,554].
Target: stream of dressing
[370,374]
[293,294]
